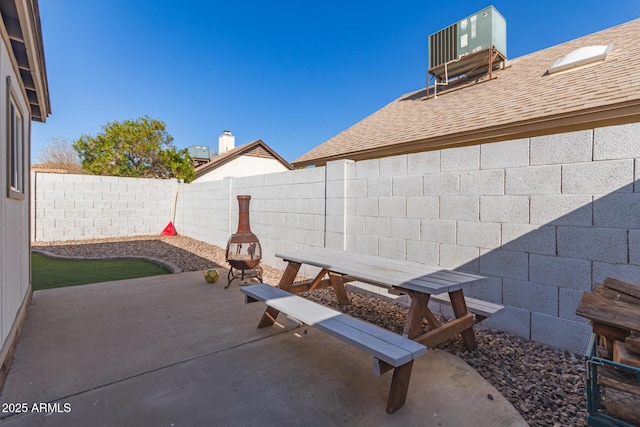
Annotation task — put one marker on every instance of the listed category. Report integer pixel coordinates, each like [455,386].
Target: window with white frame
[15,145]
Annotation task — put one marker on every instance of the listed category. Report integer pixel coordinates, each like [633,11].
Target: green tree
[139,148]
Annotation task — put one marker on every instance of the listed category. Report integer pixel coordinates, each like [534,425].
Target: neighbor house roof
[520,101]
[256,149]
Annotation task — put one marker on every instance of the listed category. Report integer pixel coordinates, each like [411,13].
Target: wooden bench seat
[389,350]
[481,309]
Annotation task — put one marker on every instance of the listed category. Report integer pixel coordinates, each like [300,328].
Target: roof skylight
[581,56]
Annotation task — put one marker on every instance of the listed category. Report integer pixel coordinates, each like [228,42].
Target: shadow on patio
[173,350]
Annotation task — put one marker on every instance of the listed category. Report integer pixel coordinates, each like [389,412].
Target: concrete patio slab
[173,350]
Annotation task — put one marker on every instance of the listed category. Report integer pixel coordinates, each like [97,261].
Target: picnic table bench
[389,350]
[420,282]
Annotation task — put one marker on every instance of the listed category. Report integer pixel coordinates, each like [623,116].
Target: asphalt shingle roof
[521,100]
[257,147]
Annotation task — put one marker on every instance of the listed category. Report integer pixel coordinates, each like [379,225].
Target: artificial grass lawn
[48,273]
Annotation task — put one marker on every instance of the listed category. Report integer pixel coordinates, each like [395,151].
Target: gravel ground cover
[546,385]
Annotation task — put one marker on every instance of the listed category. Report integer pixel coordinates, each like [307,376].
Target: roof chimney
[226,142]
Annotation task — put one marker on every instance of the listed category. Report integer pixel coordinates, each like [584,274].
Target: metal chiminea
[243,249]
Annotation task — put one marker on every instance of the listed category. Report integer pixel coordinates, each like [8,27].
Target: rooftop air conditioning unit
[474,33]
[199,152]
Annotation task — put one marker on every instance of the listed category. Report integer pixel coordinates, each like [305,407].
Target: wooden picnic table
[420,282]
[390,351]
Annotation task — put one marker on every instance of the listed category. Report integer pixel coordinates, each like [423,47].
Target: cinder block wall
[77,207]
[287,209]
[204,211]
[543,218]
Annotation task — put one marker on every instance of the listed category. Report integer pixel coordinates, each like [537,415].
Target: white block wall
[287,210]
[543,218]
[77,207]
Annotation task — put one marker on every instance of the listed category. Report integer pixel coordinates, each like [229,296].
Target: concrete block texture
[634,247]
[335,189]
[533,180]
[617,211]
[405,228]
[309,175]
[378,187]
[561,272]
[438,231]
[355,225]
[333,206]
[560,333]
[601,244]
[314,206]
[463,208]
[426,207]
[562,210]
[529,238]
[616,142]
[70,186]
[482,183]
[368,169]
[490,291]
[53,234]
[423,252]
[42,184]
[460,159]
[367,207]
[478,234]
[377,226]
[316,238]
[503,263]
[366,244]
[392,248]
[636,178]
[283,178]
[306,221]
[394,207]
[460,257]
[393,166]
[506,154]
[407,186]
[568,300]
[357,188]
[335,223]
[512,209]
[440,184]
[423,163]
[628,272]
[530,296]
[54,177]
[74,213]
[601,177]
[64,204]
[570,147]
[516,321]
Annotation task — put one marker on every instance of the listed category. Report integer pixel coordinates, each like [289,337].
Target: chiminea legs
[234,273]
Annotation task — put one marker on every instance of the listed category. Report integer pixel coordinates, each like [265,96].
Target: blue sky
[293,74]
